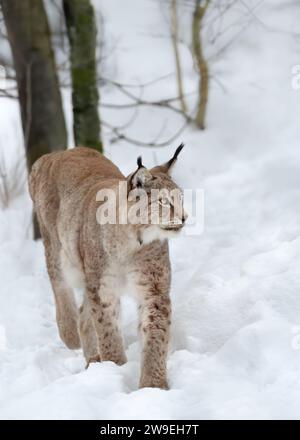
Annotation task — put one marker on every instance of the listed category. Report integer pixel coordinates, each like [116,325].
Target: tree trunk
[201,62]
[81,28]
[174,36]
[39,95]
[38,88]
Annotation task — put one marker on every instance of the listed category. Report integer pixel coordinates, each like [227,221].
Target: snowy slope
[236,288]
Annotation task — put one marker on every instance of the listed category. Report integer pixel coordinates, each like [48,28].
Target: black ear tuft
[178,151]
[139,162]
[167,167]
[171,162]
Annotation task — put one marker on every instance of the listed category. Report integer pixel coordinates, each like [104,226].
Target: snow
[235,349]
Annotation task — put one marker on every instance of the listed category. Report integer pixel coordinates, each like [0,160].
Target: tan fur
[100,259]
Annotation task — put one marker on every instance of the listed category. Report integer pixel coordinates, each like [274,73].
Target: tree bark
[201,62]
[81,29]
[39,95]
[174,37]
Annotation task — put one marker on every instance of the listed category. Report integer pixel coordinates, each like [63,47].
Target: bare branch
[174,38]
[137,101]
[139,85]
[119,136]
[201,62]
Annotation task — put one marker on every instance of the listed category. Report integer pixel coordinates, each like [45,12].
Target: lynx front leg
[155,313]
[105,305]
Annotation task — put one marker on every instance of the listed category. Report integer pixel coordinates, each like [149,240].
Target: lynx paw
[92,360]
[154,382]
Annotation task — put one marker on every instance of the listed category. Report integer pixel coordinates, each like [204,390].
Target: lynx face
[160,200]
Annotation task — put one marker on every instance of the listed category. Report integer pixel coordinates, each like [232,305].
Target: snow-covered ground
[236,288]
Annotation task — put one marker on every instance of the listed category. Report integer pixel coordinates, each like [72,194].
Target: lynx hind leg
[66,308]
[105,306]
[88,335]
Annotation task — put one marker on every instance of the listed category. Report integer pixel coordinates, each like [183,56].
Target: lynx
[100,258]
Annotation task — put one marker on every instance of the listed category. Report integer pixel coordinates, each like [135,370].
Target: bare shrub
[12,180]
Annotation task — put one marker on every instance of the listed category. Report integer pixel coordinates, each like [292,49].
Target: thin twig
[122,136]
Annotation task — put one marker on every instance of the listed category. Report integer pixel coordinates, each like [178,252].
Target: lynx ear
[167,167]
[141,177]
